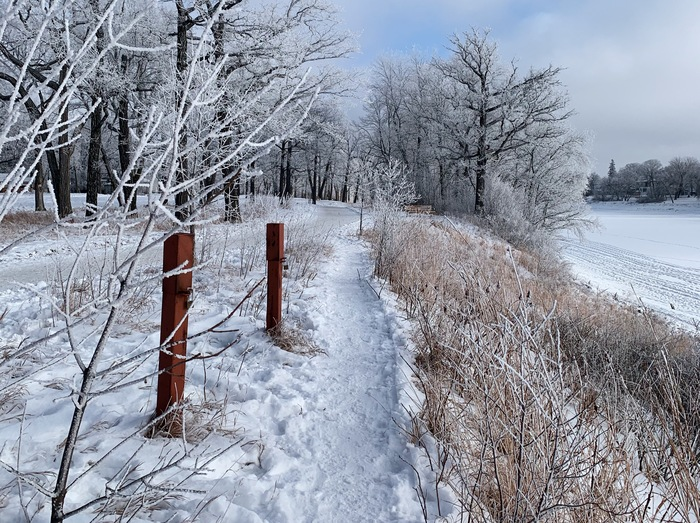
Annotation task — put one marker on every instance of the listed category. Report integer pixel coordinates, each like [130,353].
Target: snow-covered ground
[647,252]
[282,437]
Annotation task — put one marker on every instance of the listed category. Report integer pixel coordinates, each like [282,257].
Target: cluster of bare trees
[479,135]
[320,160]
[91,74]
[476,134]
[649,181]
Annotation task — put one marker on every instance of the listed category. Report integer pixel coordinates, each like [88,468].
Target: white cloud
[631,66]
[631,71]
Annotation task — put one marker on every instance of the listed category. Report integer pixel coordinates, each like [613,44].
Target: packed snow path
[353,444]
[334,449]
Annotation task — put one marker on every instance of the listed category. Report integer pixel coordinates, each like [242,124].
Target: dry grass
[20,224]
[195,421]
[305,247]
[23,219]
[170,425]
[547,403]
[12,402]
[291,338]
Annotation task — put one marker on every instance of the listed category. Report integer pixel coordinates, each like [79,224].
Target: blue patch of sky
[426,28]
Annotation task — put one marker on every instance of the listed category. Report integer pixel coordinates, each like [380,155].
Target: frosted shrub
[391,191]
[505,209]
[260,206]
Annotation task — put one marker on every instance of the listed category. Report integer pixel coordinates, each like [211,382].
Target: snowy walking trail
[299,438]
[351,442]
[337,450]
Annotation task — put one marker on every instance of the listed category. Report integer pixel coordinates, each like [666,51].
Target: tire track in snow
[670,289]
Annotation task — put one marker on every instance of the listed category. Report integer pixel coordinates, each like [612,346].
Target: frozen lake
[645,252]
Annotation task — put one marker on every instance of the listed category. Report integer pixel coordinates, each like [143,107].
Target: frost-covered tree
[262,47]
[625,183]
[460,121]
[38,60]
[594,183]
[681,176]
[501,109]
[70,40]
[409,118]
[650,173]
[320,143]
[386,117]
[550,174]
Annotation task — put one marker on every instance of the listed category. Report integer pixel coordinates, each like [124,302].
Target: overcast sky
[632,67]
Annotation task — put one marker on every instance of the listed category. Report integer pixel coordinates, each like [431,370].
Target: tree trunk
[288,172]
[326,174]
[313,180]
[182,197]
[479,208]
[62,184]
[96,121]
[80,404]
[283,156]
[356,197]
[93,163]
[441,175]
[111,172]
[35,114]
[208,192]
[481,160]
[344,191]
[124,143]
[39,188]
[346,180]
[54,169]
[232,196]
[252,184]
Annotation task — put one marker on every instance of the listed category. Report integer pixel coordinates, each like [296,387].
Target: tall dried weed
[551,403]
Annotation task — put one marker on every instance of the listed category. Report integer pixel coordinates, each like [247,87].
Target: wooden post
[275,259]
[178,251]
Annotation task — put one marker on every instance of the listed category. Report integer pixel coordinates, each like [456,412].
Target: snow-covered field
[647,252]
[279,436]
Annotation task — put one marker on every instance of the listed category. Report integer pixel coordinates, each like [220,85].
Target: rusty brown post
[275,260]
[178,250]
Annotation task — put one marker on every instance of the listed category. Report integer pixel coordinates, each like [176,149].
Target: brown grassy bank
[546,402]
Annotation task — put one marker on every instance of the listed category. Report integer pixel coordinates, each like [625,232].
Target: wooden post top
[275,241]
